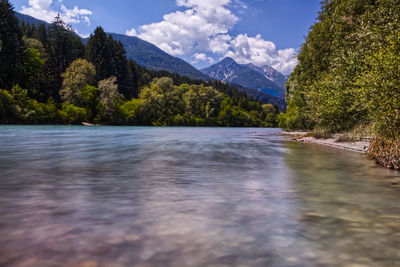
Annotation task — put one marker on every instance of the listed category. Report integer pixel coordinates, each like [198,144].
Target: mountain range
[271,74]
[30,20]
[265,79]
[152,57]
[144,53]
[263,83]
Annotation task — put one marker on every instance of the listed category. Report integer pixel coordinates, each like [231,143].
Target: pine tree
[133,80]
[120,67]
[63,47]
[11,53]
[42,34]
[98,52]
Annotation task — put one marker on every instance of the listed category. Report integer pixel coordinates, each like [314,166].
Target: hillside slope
[150,56]
[144,53]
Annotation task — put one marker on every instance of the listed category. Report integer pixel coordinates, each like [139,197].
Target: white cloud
[42,9]
[83,35]
[183,32]
[220,44]
[256,50]
[201,32]
[199,57]
[131,32]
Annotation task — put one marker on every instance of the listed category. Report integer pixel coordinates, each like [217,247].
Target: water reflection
[350,212]
[114,196]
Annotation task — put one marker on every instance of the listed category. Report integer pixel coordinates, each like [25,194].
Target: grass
[386,152]
[320,134]
[359,133]
[347,137]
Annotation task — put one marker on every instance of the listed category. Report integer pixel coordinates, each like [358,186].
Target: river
[144,196]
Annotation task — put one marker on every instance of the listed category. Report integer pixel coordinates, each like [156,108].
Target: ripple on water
[117,196]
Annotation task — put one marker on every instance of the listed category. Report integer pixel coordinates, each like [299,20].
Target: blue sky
[199,31]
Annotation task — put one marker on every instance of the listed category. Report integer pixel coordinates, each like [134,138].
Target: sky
[202,32]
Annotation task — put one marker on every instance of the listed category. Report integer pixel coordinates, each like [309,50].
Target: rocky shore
[361,146]
[335,140]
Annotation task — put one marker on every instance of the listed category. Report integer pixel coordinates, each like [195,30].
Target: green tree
[34,60]
[72,114]
[42,113]
[132,111]
[120,67]
[323,91]
[79,74]
[8,111]
[203,102]
[133,80]
[99,52]
[63,47]
[380,88]
[11,53]
[110,100]
[36,44]
[89,99]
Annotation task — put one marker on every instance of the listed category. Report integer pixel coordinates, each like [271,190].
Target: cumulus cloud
[199,57]
[183,32]
[131,32]
[220,44]
[42,9]
[201,32]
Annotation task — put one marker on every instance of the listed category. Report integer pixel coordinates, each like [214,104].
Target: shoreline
[361,146]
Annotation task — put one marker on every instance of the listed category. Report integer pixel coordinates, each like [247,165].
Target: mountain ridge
[29,19]
[152,57]
[143,52]
[249,76]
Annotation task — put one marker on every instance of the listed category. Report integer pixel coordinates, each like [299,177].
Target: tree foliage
[11,52]
[79,74]
[348,69]
[63,47]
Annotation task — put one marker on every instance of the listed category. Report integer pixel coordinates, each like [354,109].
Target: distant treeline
[49,76]
[348,76]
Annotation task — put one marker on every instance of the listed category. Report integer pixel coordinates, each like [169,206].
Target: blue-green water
[131,196]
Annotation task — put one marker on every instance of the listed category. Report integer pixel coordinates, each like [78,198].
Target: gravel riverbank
[360,146]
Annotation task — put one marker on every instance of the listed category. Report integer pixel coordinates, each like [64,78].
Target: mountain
[144,53]
[152,57]
[247,76]
[263,96]
[30,20]
[271,74]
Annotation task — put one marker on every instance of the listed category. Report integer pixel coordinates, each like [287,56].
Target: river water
[142,196]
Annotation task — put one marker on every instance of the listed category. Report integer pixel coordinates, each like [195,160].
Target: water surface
[141,196]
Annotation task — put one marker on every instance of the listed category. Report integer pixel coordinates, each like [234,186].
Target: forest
[48,75]
[348,76]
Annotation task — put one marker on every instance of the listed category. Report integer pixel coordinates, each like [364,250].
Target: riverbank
[336,141]
[384,155]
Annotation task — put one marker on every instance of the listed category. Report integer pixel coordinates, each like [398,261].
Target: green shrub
[71,114]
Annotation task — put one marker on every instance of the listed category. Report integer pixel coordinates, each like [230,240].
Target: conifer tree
[63,47]
[98,52]
[11,53]
[120,66]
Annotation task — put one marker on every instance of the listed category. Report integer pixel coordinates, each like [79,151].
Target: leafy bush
[71,114]
[8,111]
